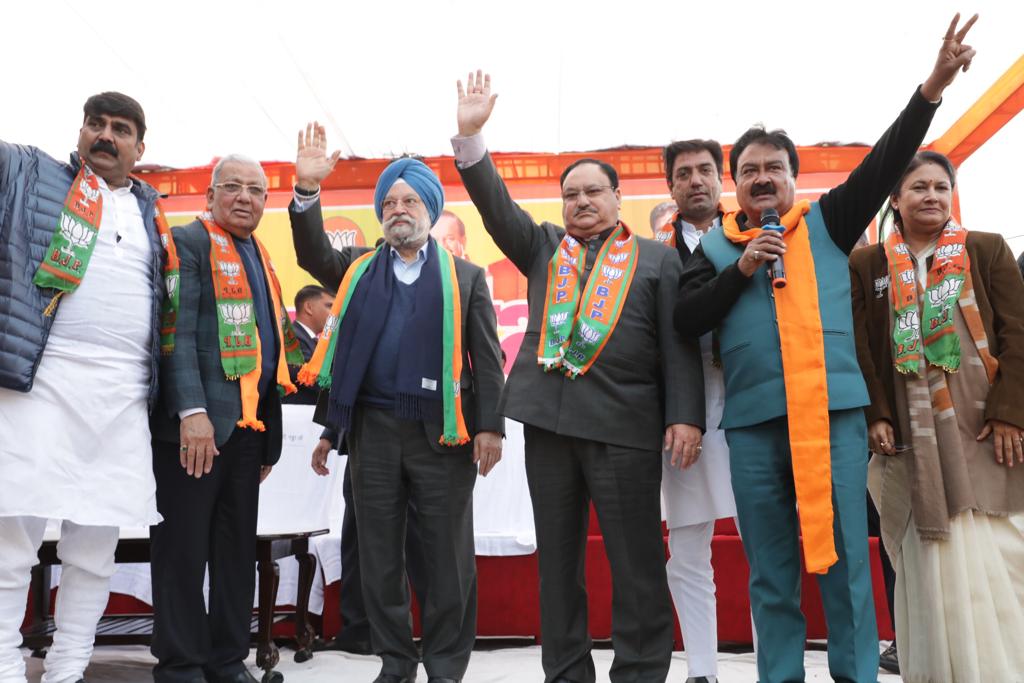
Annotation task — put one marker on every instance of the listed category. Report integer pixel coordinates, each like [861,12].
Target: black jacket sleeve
[681,365]
[313,249]
[485,357]
[706,297]
[849,207]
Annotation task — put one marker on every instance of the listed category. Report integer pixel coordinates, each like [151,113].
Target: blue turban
[420,178]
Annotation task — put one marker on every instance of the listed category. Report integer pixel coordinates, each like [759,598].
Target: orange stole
[803,367]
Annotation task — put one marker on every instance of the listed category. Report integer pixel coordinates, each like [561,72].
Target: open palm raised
[312,164]
[475,103]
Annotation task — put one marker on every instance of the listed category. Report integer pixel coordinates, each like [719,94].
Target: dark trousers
[392,464]
[210,520]
[354,622]
[888,573]
[564,475]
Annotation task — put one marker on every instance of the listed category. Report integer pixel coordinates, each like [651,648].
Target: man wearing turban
[410,354]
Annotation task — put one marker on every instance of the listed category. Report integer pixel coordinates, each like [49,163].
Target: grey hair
[236,159]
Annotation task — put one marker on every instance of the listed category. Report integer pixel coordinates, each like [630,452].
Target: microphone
[776,269]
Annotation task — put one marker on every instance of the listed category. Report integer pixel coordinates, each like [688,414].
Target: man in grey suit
[415,425]
[597,420]
[208,466]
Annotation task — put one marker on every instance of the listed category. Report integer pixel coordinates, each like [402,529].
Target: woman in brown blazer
[939,315]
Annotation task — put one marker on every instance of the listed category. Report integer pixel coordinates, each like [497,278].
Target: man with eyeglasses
[411,356]
[81,291]
[589,385]
[217,431]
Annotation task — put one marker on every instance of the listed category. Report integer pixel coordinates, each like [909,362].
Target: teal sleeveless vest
[749,335]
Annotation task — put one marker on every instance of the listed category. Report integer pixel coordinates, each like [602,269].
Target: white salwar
[961,618]
[692,500]
[77,446]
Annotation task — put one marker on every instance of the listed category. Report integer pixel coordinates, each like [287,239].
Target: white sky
[221,77]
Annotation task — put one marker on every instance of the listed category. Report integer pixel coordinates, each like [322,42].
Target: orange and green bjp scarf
[948,281]
[575,329]
[318,371]
[236,323]
[67,258]
[803,368]
[666,233]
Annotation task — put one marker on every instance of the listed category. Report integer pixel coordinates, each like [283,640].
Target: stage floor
[132,664]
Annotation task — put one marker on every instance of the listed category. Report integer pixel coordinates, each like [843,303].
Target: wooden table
[137,629]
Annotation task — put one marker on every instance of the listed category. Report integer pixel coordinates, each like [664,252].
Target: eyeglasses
[409,203]
[593,192]
[255,191]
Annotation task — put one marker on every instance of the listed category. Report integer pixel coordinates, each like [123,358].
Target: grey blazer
[192,376]
[482,376]
[647,376]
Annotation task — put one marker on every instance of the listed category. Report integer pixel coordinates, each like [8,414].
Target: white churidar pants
[87,558]
[692,583]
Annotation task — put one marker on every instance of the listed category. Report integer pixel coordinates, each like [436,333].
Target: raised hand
[475,103]
[312,164]
[953,56]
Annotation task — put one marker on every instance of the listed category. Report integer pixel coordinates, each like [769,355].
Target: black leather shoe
[392,678]
[438,679]
[889,659]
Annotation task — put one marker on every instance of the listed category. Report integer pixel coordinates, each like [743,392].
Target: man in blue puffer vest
[81,290]
[794,394]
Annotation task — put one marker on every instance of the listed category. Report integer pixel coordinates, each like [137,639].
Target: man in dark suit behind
[312,306]
[599,436]
[414,423]
[208,466]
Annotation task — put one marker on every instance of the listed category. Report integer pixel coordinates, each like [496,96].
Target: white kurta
[703,491]
[77,447]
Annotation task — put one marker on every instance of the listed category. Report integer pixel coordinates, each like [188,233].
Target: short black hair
[673,150]
[773,138]
[919,160]
[308,292]
[608,169]
[117,104]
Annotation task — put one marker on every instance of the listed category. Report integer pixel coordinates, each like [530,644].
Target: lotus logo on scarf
[612,274]
[172,284]
[230,271]
[662,236]
[341,239]
[221,241]
[907,277]
[619,244]
[568,257]
[557,319]
[570,242]
[589,334]
[881,284]
[330,325]
[948,252]
[618,258]
[946,290]
[908,321]
[88,193]
[77,233]
[237,315]
[900,248]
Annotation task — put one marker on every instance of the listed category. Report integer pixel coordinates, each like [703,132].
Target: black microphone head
[769,217]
